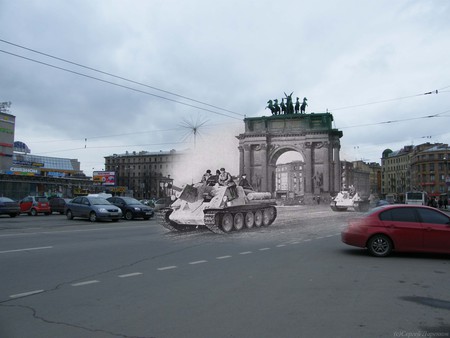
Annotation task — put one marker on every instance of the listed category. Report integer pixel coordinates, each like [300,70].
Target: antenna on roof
[193,128]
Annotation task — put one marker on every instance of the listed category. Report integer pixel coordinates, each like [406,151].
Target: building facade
[375,178]
[356,174]
[7,127]
[290,184]
[430,170]
[144,174]
[43,175]
[415,168]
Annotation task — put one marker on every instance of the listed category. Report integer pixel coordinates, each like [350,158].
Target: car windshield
[98,201]
[5,199]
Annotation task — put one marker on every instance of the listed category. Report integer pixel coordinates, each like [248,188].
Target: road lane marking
[307,240]
[280,245]
[264,249]
[198,262]
[27,249]
[133,274]
[245,253]
[86,283]
[167,268]
[26,294]
[224,257]
[69,231]
[293,243]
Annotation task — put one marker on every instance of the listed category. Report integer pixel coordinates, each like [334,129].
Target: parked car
[162,203]
[9,207]
[57,204]
[33,205]
[400,227]
[131,207]
[92,207]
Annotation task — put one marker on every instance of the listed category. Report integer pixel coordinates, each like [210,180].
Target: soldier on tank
[226,179]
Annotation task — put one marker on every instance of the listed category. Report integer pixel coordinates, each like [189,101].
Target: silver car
[92,207]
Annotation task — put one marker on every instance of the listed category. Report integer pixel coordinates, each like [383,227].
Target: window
[431,216]
[399,215]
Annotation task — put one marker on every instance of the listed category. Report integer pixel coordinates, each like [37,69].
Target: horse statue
[283,107]
[271,107]
[303,107]
[297,105]
[277,107]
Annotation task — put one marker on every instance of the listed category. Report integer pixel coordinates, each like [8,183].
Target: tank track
[213,218]
[210,221]
[163,219]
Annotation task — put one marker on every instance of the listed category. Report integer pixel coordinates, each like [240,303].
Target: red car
[32,205]
[410,228]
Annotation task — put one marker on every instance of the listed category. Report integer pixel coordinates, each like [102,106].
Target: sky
[88,79]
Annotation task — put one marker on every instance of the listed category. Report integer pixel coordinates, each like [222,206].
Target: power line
[175,94]
[112,146]
[124,134]
[389,100]
[396,121]
[118,77]
[116,84]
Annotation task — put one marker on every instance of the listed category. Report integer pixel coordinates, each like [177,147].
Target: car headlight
[102,210]
[137,209]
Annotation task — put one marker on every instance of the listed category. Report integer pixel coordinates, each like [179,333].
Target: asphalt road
[61,278]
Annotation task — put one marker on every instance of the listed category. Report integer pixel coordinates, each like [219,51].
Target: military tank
[221,209]
[349,199]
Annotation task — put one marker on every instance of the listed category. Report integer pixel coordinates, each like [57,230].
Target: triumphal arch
[266,138]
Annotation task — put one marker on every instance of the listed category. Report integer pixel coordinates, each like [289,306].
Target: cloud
[231,54]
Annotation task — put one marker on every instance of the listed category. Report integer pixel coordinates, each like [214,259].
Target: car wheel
[33,212]
[128,215]
[146,218]
[379,245]
[12,215]
[93,216]
[69,214]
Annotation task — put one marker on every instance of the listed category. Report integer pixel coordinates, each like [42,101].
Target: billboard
[104,178]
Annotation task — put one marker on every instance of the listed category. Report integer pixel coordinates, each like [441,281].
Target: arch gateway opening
[267,138]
